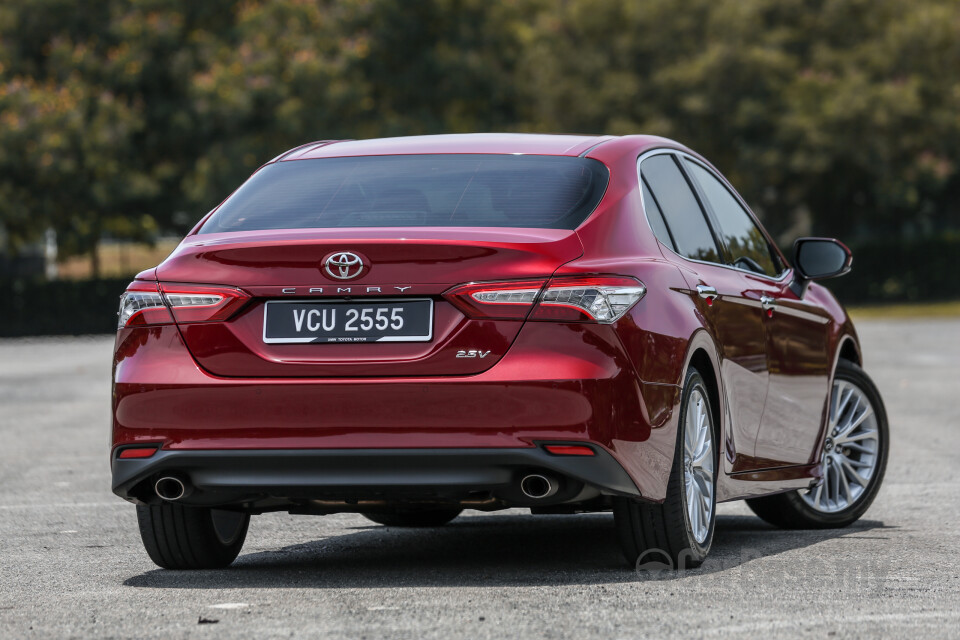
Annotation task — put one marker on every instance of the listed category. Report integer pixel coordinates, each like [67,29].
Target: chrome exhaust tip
[170,488]
[538,487]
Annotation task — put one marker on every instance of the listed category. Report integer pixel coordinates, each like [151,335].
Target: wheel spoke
[701,436]
[842,403]
[853,410]
[701,481]
[858,447]
[834,484]
[843,487]
[692,504]
[818,498]
[701,523]
[850,454]
[870,434]
[705,499]
[853,424]
[704,456]
[689,436]
[835,402]
[848,469]
[705,463]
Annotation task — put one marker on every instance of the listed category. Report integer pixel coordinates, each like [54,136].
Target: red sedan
[409,327]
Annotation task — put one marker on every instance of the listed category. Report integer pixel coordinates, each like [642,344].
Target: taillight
[496,300]
[602,299]
[202,303]
[147,303]
[141,304]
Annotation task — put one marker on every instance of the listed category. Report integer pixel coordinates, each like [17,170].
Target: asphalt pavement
[72,565]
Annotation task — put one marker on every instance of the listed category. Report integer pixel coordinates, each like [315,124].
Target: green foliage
[125,116]
[842,109]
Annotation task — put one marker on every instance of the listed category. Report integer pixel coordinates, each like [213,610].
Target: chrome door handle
[707,292]
[768,304]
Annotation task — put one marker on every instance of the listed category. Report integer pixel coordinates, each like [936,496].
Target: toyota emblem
[344,265]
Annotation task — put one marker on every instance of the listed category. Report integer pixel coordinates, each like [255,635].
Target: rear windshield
[549,192]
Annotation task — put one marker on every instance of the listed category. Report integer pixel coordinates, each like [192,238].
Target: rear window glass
[680,208]
[468,190]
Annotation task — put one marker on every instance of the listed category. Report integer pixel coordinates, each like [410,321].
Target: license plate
[296,321]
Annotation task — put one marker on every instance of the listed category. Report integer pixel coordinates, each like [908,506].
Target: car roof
[507,143]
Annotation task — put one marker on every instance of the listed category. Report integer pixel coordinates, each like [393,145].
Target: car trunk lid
[400,264]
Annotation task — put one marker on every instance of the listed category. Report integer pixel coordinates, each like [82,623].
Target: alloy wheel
[698,465]
[850,453]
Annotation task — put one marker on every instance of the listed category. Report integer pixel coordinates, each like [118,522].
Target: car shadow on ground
[513,550]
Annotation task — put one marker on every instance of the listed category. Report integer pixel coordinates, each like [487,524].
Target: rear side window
[747,245]
[680,208]
[655,216]
[549,192]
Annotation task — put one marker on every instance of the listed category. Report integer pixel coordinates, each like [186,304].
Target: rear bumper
[586,392]
[258,477]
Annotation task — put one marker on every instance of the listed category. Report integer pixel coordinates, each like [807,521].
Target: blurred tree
[441,66]
[843,110]
[290,71]
[100,126]
[283,73]
[831,116]
[68,160]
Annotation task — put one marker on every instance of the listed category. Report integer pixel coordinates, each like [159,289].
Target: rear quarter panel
[663,331]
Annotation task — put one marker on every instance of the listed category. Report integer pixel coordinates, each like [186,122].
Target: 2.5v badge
[472,353]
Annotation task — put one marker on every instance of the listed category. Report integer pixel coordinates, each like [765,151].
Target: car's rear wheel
[678,533]
[181,537]
[414,517]
[854,460]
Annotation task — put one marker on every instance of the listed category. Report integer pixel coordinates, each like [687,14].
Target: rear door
[795,331]
[800,367]
[722,295]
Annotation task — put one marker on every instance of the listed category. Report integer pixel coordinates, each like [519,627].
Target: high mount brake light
[602,299]
[146,303]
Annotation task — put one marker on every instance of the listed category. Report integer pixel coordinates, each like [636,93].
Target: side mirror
[818,259]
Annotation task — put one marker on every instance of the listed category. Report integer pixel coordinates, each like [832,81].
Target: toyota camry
[407,328]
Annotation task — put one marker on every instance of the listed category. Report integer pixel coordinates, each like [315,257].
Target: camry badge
[344,265]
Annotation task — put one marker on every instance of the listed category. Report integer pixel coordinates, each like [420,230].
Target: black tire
[660,535]
[414,517]
[180,537]
[791,511]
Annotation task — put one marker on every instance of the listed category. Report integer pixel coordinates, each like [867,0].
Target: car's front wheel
[679,532]
[181,537]
[854,459]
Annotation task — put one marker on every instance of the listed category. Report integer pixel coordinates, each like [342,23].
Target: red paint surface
[216,385]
